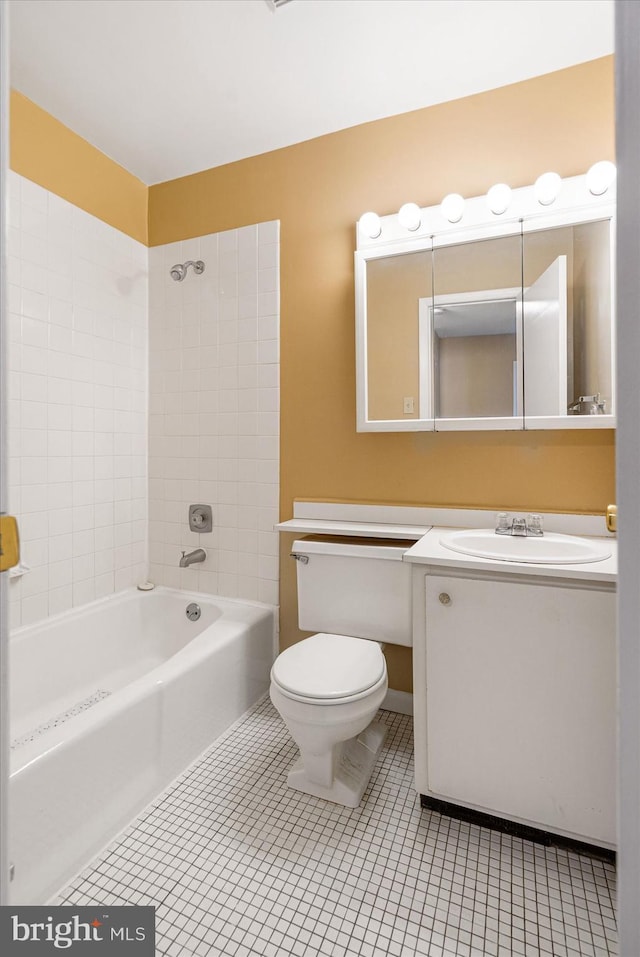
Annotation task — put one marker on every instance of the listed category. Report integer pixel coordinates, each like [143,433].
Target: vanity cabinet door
[521,683]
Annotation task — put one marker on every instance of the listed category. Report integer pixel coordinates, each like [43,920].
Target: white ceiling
[170,87]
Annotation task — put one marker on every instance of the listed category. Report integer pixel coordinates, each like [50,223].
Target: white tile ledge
[412,522]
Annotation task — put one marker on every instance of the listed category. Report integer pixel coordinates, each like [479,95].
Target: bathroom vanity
[514,661]
[515,688]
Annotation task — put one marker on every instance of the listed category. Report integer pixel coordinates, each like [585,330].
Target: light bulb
[370,225]
[600,177]
[452,207]
[410,216]
[498,198]
[547,188]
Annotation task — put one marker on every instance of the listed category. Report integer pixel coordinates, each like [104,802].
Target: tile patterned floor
[237,864]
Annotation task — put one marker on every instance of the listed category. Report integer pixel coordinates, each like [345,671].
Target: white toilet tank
[362,590]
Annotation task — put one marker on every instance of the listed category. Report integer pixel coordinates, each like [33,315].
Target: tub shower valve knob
[200,518]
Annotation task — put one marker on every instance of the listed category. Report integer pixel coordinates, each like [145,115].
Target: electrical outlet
[407,405]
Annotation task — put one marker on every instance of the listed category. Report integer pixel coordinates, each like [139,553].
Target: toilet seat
[329,669]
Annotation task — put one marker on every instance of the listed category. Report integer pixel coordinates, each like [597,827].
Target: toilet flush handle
[301,558]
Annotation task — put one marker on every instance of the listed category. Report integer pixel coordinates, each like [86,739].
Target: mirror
[568,330]
[476,330]
[476,347]
[494,326]
[395,286]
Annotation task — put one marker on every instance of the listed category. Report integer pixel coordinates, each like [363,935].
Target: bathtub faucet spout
[198,555]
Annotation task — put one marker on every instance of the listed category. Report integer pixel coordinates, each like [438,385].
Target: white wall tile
[34,608]
[81,367]
[60,599]
[214,423]
[78,293]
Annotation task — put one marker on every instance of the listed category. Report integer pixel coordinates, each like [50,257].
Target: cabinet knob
[444,599]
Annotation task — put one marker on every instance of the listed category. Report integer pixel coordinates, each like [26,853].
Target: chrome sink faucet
[519,526]
[197,555]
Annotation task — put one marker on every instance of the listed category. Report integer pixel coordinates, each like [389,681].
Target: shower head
[179,271]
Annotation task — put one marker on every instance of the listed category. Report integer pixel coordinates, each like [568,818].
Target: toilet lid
[329,666]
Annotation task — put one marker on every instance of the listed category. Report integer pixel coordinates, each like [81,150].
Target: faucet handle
[503,525]
[534,524]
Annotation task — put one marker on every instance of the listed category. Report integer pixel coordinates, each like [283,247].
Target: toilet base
[357,761]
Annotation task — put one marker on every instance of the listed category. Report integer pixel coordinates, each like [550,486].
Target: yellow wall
[562,121]
[45,151]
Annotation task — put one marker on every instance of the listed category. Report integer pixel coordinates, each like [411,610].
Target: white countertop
[318,526]
[429,551]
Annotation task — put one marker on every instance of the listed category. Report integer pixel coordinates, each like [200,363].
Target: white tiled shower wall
[79,320]
[77,440]
[214,401]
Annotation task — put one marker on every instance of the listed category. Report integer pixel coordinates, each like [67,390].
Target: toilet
[356,596]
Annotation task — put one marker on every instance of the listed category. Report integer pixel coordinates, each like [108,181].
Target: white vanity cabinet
[516,698]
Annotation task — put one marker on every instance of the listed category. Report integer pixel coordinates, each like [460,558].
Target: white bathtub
[109,703]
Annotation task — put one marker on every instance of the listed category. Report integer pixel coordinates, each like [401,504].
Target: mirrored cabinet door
[395,288]
[474,328]
[568,322]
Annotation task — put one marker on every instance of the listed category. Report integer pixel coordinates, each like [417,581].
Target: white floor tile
[238,864]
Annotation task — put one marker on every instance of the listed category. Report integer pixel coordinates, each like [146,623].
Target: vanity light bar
[547,191]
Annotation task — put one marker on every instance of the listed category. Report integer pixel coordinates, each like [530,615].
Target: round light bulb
[600,177]
[410,216]
[370,225]
[452,207]
[547,188]
[498,198]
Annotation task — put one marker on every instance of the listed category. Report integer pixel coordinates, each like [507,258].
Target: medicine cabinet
[495,322]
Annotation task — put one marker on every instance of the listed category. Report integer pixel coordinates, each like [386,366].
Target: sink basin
[549,549]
